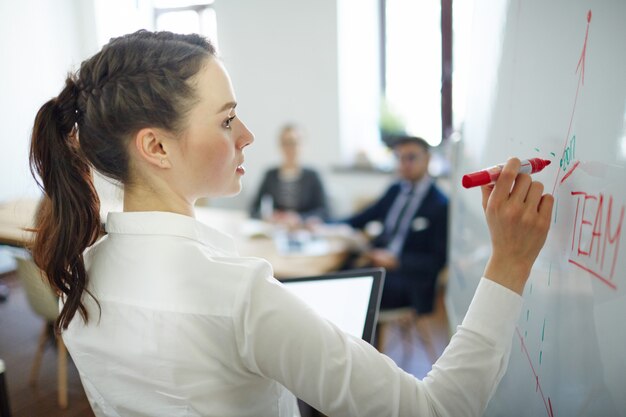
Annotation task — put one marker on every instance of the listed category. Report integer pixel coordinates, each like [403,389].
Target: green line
[543,331]
[537,149]
[540,355]
[527,314]
[556,209]
[553,154]
[549,273]
[531,287]
[525,334]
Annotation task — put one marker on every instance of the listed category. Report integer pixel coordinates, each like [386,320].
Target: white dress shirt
[188,328]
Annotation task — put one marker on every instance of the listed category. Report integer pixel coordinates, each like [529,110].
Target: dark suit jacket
[424,252]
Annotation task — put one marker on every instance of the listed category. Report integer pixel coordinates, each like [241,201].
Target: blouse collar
[168,224]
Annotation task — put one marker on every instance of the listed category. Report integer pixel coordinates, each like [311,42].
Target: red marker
[490,175]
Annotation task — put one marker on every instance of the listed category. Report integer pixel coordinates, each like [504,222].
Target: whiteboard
[548,79]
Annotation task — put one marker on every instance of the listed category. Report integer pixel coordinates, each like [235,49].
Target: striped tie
[389,233]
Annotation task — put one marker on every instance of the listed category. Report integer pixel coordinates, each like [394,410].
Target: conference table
[290,252]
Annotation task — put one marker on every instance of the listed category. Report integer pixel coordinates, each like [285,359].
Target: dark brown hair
[139,80]
[404,139]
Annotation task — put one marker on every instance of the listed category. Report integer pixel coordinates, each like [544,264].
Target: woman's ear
[150,147]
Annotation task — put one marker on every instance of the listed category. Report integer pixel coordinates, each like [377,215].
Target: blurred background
[349,72]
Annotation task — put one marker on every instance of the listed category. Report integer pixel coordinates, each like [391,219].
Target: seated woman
[290,193]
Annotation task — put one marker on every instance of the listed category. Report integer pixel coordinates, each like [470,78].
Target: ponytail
[144,79]
[68,220]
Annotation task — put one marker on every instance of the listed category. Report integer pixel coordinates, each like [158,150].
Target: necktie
[393,228]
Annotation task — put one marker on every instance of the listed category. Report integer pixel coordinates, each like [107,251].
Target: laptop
[349,299]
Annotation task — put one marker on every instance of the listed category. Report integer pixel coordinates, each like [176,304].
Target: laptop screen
[349,299]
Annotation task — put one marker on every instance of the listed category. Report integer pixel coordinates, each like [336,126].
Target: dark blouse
[303,194]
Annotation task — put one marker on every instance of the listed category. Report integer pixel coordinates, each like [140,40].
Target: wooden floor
[19,333]
[403,344]
[20,328]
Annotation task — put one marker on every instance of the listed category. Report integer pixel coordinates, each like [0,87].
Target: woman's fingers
[486,190]
[501,191]
[535,191]
[521,188]
[545,206]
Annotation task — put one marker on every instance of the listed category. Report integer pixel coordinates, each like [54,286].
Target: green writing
[568,154]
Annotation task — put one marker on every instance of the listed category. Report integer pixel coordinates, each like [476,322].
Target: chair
[408,321]
[44,303]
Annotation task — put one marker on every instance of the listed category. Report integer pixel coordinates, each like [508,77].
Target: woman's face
[290,146]
[209,157]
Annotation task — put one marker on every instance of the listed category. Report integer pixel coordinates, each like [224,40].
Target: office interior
[318,64]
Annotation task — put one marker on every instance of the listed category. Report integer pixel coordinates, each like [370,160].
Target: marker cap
[476,178]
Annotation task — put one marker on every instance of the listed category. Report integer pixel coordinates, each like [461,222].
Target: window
[416,67]
[116,18]
[186,17]
[462,33]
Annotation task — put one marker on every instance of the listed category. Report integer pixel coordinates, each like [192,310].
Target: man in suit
[412,246]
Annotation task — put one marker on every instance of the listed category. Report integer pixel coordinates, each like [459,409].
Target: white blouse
[188,328]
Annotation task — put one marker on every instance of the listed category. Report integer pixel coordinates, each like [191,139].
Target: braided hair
[144,79]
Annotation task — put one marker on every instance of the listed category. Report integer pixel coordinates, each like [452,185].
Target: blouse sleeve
[281,338]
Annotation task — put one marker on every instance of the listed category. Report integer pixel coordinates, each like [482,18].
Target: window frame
[198,8]
[447,127]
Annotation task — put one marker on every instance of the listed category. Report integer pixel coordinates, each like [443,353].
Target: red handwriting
[583,55]
[570,171]
[547,402]
[580,69]
[594,222]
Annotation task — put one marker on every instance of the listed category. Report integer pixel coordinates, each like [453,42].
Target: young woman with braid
[161,315]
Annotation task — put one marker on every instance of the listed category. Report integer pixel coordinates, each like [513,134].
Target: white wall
[40,43]
[282,58]
[286,59]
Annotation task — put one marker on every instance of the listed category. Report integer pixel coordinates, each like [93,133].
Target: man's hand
[383,258]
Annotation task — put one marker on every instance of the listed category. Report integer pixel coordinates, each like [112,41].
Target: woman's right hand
[518,215]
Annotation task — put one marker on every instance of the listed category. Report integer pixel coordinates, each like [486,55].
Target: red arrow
[581,80]
[547,403]
[581,61]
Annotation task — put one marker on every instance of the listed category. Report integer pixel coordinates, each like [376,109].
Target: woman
[294,192]
[171,322]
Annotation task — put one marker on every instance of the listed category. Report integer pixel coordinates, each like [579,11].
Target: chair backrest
[40,295]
